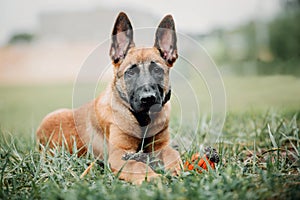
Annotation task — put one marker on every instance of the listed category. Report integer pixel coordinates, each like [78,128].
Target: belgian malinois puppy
[132,114]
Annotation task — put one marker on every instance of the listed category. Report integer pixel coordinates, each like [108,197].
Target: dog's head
[142,74]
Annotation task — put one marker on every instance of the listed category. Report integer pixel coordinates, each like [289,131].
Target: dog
[132,114]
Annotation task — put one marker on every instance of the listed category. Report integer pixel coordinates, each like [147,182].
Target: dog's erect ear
[165,40]
[122,38]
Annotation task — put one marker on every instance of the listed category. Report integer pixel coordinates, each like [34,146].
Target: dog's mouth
[149,104]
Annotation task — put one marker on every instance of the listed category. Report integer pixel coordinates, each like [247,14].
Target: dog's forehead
[141,55]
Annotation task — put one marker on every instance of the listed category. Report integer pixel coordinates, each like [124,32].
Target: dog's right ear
[122,39]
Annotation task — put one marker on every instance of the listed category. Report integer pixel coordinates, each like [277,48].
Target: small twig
[271,150]
[87,169]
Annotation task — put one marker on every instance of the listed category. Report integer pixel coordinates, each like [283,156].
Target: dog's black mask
[145,83]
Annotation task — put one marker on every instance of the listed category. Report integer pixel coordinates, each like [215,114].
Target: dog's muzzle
[146,98]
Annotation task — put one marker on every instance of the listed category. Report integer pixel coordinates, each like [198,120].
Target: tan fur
[107,122]
[108,117]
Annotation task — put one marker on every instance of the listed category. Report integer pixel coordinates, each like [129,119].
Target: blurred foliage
[21,38]
[259,47]
[285,36]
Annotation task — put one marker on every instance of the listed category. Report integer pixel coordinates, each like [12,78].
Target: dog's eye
[133,70]
[156,69]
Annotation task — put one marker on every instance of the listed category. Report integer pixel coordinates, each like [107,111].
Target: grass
[259,160]
[259,153]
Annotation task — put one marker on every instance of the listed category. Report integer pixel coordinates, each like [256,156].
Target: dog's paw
[175,168]
[148,178]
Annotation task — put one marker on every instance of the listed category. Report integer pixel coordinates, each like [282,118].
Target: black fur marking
[143,118]
[167,97]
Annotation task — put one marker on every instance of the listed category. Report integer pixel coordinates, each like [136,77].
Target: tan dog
[132,114]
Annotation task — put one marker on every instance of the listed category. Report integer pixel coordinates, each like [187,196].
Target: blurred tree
[290,4]
[285,36]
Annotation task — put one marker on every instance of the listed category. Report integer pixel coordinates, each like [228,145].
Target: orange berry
[201,163]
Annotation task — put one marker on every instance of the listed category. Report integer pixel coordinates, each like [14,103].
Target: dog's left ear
[122,39]
[166,40]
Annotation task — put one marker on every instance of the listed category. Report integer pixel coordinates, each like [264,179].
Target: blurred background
[255,45]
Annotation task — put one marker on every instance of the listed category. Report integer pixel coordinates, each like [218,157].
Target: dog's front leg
[129,170]
[171,160]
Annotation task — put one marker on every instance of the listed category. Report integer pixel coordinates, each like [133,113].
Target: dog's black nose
[147,95]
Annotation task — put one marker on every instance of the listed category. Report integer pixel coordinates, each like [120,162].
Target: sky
[191,15]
